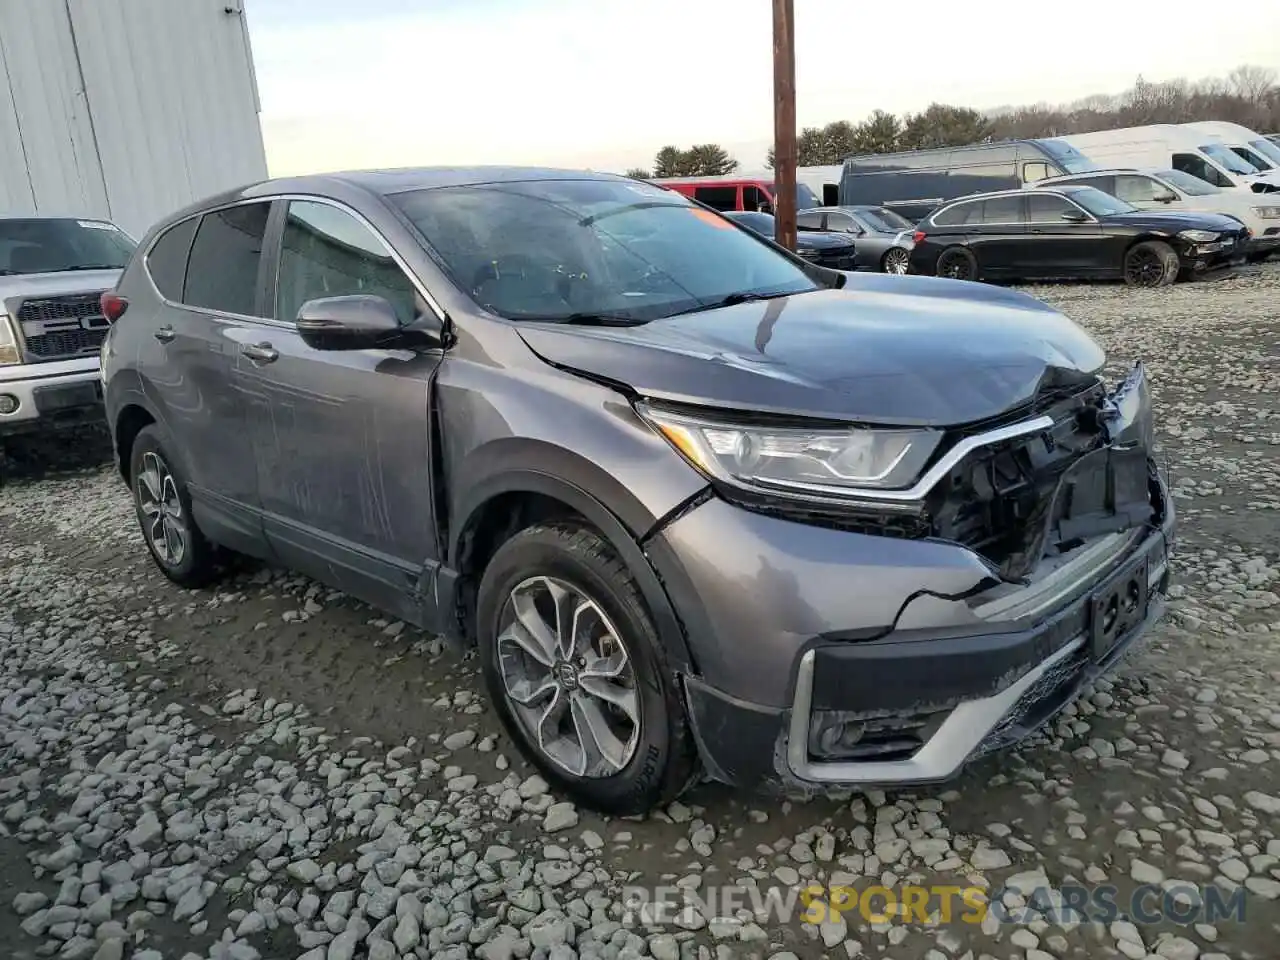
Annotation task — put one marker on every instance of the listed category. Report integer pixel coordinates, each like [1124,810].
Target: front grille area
[838,259]
[59,328]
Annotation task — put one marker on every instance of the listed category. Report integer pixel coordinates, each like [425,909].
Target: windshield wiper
[90,266]
[583,319]
[732,300]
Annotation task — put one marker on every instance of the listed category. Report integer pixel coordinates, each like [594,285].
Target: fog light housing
[836,735]
[9,403]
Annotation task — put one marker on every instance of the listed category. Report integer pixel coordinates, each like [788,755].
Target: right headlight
[1267,213]
[1199,236]
[8,342]
[798,460]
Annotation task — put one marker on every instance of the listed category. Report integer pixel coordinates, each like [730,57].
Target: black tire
[957,263]
[1260,257]
[664,759]
[1152,263]
[892,257]
[200,562]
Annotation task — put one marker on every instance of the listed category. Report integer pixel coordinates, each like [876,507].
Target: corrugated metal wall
[125,108]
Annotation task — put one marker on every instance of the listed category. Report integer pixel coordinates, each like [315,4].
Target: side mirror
[357,322]
[1166,197]
[1075,216]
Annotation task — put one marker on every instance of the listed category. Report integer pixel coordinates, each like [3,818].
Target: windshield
[878,218]
[1191,186]
[1226,157]
[563,249]
[1249,156]
[45,245]
[1268,150]
[806,199]
[1066,156]
[1100,204]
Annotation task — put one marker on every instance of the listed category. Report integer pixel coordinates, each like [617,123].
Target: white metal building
[125,109]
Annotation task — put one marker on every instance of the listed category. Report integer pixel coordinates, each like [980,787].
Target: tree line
[1249,96]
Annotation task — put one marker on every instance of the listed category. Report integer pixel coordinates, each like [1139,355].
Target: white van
[1169,145]
[1248,145]
[1153,189]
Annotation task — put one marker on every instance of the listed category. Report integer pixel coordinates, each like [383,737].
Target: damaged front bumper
[835,656]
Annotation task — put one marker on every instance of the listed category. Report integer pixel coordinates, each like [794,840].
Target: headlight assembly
[1198,236]
[1267,213]
[797,460]
[8,342]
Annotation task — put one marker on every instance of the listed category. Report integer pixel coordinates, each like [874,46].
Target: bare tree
[1252,83]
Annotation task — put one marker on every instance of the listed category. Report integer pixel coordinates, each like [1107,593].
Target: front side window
[1139,189]
[548,249]
[1266,149]
[1099,203]
[222,272]
[1034,170]
[813,221]
[326,252]
[1227,158]
[56,245]
[753,198]
[1253,159]
[1197,166]
[1047,208]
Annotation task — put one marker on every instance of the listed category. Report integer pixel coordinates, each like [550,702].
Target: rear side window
[1003,210]
[222,273]
[810,221]
[1105,184]
[1197,166]
[326,252]
[719,198]
[961,213]
[167,261]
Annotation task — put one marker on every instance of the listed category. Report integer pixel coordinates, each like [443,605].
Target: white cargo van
[1153,189]
[1248,145]
[1169,145]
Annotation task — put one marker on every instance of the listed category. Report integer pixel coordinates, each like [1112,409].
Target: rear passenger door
[209,271]
[342,437]
[998,239]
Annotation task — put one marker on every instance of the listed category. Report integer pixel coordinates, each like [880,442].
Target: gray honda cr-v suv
[699,504]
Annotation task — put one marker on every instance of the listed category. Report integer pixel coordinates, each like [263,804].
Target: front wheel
[957,263]
[895,260]
[1152,263]
[577,673]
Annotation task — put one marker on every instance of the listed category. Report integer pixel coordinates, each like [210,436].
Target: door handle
[164,334]
[260,352]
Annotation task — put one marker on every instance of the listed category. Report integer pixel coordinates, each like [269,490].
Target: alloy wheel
[568,677]
[895,261]
[1144,268]
[954,267]
[164,521]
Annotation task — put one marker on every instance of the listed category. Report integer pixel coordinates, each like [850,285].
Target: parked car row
[1058,231]
[682,489]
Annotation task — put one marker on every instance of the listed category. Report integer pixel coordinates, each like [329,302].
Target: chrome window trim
[931,477]
[413,278]
[1007,223]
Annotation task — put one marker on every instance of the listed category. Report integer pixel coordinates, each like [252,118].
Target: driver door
[341,437]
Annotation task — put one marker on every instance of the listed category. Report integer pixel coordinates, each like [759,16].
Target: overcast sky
[605,83]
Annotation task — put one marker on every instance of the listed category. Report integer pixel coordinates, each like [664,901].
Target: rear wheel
[577,673]
[957,263]
[1152,263]
[164,512]
[895,260]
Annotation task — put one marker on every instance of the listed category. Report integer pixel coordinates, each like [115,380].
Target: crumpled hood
[885,349]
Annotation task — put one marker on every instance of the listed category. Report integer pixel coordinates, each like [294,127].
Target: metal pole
[784,122]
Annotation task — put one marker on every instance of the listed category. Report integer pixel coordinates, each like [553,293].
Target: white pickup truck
[53,270]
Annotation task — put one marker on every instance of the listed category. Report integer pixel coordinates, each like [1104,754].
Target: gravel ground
[269,769]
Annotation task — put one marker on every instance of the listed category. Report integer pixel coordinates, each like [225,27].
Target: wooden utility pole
[784,122]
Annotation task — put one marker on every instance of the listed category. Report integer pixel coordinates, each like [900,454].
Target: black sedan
[833,250]
[1072,232]
[883,238]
